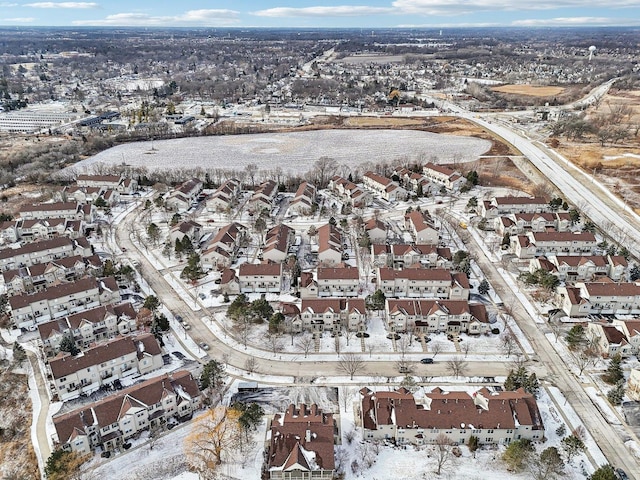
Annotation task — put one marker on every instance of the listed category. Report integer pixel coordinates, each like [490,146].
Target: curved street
[290,364]
[600,207]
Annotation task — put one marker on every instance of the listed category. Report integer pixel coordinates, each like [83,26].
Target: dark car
[426,360]
[178,355]
[622,475]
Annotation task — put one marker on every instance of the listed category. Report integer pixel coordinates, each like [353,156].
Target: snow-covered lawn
[418,463]
[290,151]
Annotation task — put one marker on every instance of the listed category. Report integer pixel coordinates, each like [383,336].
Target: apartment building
[599,298]
[534,244]
[301,443]
[225,196]
[182,197]
[445,176]
[436,316]
[277,241]
[502,206]
[43,251]
[260,278]
[331,314]
[304,200]
[88,327]
[329,245]
[423,283]
[108,423]
[262,198]
[338,281]
[401,255]
[349,193]
[43,275]
[28,310]
[103,364]
[386,188]
[493,417]
[422,228]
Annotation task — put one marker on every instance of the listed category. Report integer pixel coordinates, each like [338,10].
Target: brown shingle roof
[306,427]
[65,364]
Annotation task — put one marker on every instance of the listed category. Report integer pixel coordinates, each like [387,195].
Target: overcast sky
[323,13]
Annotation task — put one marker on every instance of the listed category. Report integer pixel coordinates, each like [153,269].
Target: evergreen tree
[576,337]
[472,177]
[63,465]
[634,273]
[605,472]
[152,303]
[616,394]
[520,378]
[68,344]
[614,371]
[518,454]
[193,271]
[213,375]
[275,322]
[484,287]
[19,354]
[261,309]
[572,445]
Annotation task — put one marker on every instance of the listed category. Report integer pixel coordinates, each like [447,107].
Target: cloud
[457,7]
[575,22]
[17,20]
[204,17]
[5,4]
[81,5]
[436,7]
[337,11]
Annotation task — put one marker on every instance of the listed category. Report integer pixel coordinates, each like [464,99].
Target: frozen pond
[292,152]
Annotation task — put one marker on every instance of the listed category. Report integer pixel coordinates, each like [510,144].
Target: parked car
[622,475]
[426,360]
[204,346]
[178,355]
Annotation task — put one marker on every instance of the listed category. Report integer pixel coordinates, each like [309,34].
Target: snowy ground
[272,150]
[413,463]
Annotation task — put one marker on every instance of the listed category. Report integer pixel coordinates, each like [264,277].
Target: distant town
[285,254]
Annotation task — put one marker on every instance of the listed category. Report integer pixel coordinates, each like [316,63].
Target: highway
[575,186]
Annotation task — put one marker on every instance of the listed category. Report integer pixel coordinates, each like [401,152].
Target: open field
[383,122]
[293,152]
[530,90]
[359,59]
[616,166]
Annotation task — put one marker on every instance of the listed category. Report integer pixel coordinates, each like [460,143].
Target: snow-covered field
[295,151]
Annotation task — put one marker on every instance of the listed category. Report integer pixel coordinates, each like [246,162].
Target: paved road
[604,434]
[41,430]
[291,364]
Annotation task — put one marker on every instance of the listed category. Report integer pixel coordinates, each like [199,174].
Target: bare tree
[251,364]
[351,364]
[457,366]
[343,395]
[323,169]
[348,335]
[402,345]
[404,366]
[306,344]
[275,342]
[466,348]
[443,448]
[371,347]
[436,348]
[508,343]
